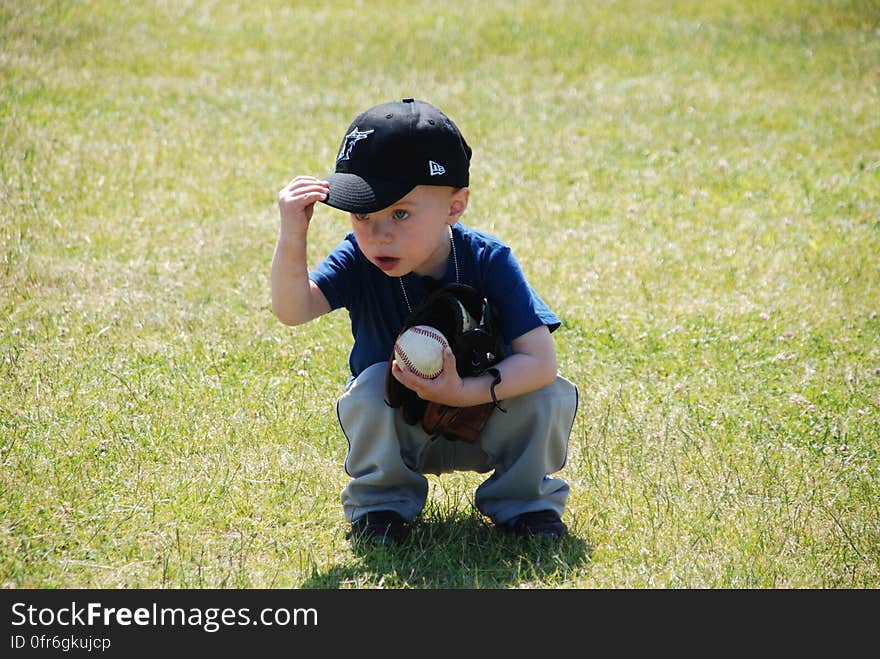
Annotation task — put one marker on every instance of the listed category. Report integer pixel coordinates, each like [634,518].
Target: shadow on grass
[458,553]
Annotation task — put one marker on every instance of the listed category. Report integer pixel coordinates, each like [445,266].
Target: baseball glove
[469,323]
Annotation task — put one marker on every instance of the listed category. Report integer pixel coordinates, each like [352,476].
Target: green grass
[694,189]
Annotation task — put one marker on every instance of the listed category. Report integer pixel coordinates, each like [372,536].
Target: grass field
[693,187]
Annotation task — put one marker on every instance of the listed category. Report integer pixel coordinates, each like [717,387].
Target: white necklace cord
[454,262]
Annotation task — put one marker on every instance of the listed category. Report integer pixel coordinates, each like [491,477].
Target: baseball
[421,349]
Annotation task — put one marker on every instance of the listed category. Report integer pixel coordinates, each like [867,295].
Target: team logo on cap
[435,168]
[350,140]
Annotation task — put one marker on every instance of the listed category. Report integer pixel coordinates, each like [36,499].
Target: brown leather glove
[457,423]
[469,324]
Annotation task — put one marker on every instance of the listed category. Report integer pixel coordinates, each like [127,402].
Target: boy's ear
[458,204]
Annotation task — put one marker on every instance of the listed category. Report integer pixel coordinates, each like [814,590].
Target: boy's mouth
[387,262]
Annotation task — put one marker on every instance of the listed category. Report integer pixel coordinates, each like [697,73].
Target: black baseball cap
[390,149]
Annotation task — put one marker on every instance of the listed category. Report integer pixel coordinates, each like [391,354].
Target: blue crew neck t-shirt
[378,304]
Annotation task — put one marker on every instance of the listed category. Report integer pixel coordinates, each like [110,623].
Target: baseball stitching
[406,360]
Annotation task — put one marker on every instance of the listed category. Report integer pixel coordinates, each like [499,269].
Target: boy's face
[411,235]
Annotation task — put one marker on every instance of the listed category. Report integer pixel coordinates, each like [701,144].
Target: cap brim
[355,194]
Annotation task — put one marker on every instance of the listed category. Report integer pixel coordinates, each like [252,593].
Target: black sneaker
[543,524]
[382,527]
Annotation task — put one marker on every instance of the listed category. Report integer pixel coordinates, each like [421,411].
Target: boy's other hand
[296,203]
[445,389]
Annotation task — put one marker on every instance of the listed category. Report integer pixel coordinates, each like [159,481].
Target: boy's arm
[295,298]
[531,366]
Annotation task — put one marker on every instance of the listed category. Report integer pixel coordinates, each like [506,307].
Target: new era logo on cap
[404,136]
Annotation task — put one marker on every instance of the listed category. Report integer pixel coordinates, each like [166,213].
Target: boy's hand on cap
[296,202]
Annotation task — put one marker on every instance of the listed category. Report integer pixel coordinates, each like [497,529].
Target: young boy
[402,173]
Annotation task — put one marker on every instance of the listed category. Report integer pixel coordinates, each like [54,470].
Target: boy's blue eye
[400,215]
[361,217]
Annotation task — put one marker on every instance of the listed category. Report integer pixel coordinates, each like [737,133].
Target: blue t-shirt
[377,303]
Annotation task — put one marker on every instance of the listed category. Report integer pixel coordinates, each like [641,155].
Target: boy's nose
[381,232]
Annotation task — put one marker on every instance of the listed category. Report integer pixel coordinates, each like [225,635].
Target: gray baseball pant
[387,458]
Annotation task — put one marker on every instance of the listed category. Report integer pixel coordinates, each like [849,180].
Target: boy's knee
[371,379]
[559,397]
